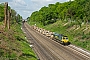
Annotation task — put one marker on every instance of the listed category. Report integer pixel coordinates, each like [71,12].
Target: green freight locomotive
[61,38]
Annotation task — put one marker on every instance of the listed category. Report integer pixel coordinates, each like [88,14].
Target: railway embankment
[13,45]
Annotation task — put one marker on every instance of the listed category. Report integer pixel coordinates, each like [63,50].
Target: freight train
[54,36]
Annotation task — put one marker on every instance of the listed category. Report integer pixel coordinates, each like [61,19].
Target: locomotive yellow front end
[65,40]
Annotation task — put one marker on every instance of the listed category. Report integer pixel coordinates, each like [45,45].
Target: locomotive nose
[66,41]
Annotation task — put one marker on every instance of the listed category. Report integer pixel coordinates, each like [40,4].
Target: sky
[26,7]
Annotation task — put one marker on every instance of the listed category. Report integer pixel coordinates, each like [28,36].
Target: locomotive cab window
[63,37]
[66,38]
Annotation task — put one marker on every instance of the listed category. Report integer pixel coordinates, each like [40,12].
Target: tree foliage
[1,12]
[60,11]
[14,16]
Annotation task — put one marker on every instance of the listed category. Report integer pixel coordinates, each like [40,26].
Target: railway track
[49,49]
[41,51]
[79,51]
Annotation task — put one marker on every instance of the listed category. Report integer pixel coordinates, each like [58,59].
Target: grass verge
[14,46]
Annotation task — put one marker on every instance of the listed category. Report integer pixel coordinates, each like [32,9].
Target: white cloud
[5,1]
[19,2]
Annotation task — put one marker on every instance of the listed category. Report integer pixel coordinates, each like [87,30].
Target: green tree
[70,10]
[1,12]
